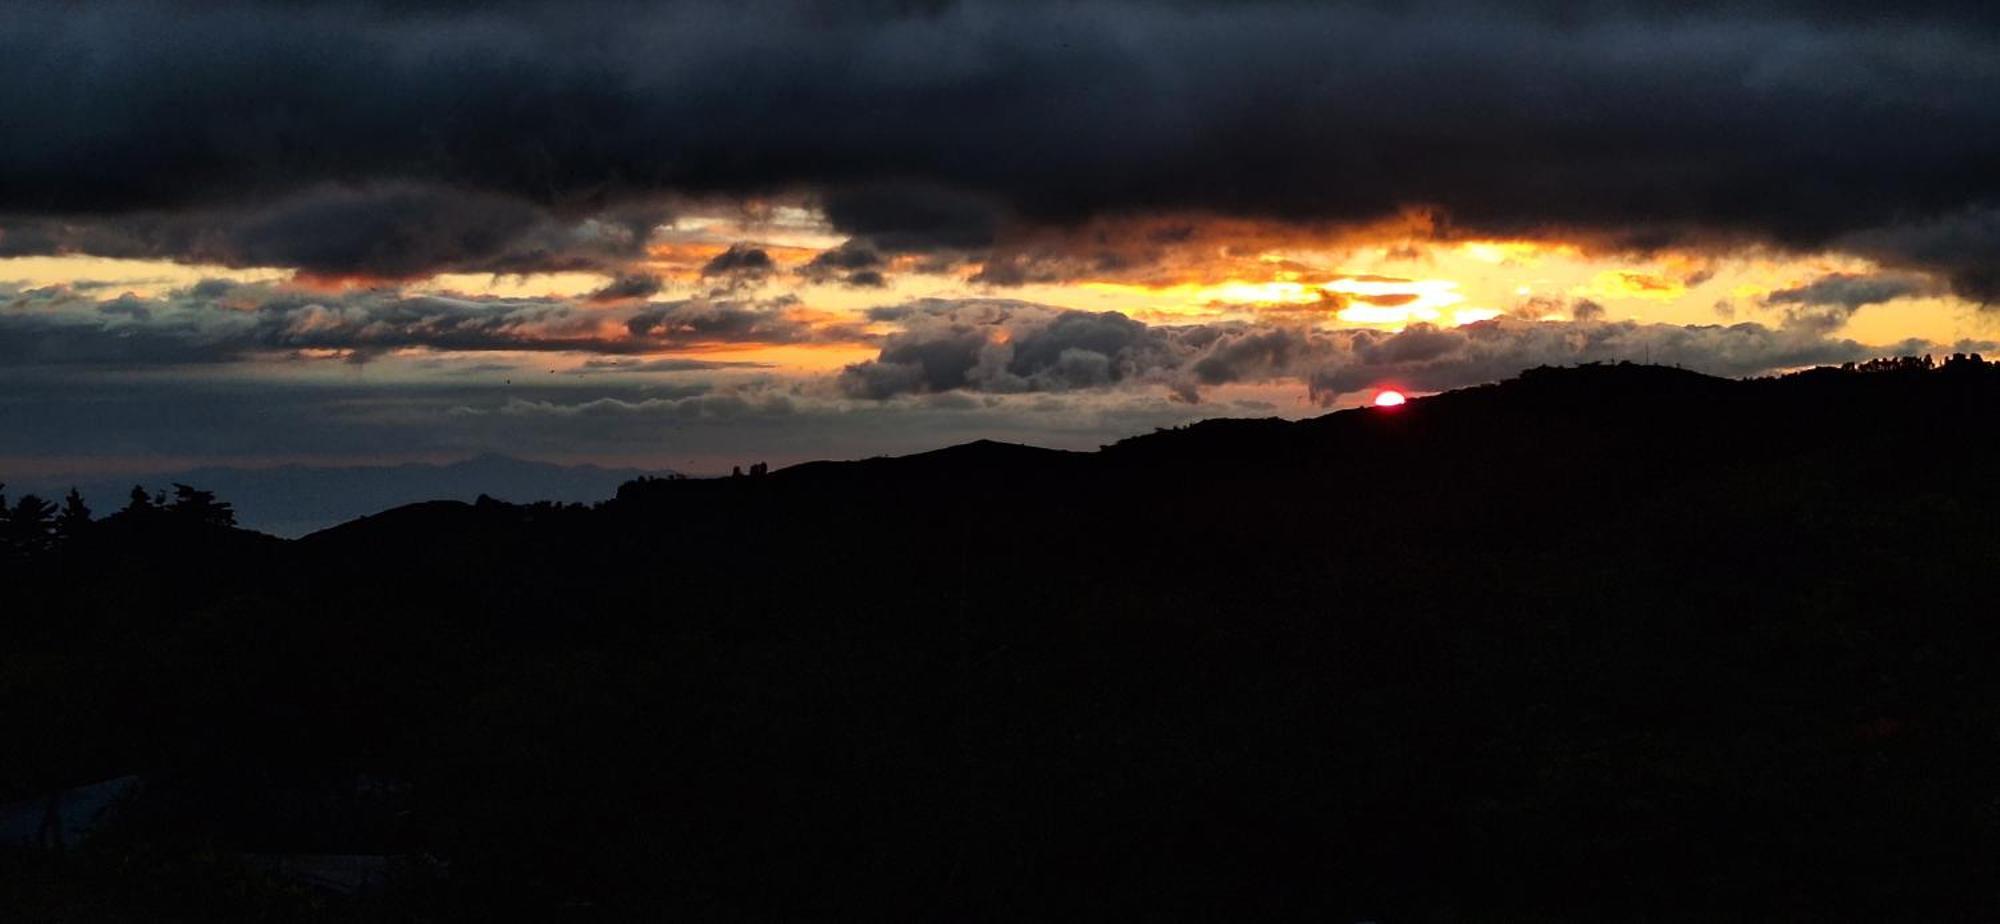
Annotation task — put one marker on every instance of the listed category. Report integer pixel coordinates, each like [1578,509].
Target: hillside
[1605,643]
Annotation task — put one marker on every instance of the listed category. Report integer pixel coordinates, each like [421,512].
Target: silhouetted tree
[139,502]
[201,506]
[1964,364]
[75,516]
[31,524]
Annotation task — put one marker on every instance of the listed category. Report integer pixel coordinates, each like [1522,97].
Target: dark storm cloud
[995,346]
[1964,245]
[929,127]
[910,218]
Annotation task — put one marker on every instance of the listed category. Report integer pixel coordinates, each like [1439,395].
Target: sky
[692,235]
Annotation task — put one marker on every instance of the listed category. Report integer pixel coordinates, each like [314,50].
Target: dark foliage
[74,518]
[201,507]
[1604,643]
[29,527]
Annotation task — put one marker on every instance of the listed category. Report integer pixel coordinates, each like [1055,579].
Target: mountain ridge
[1598,644]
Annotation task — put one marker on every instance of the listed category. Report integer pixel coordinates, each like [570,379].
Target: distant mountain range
[293,500]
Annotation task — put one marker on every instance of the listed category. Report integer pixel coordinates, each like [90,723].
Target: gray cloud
[739,259]
[628,287]
[1826,303]
[610,365]
[217,322]
[854,262]
[705,320]
[1852,291]
[1004,346]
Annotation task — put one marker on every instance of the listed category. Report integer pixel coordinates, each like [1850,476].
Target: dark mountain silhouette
[292,500]
[1600,643]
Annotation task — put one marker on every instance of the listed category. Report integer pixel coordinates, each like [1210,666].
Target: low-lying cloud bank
[225,371]
[1009,347]
[924,347]
[218,321]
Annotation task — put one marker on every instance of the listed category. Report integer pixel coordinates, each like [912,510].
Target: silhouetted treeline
[31,525]
[1604,643]
[1956,363]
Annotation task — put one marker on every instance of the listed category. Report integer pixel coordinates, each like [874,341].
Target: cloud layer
[398,138]
[1005,347]
[219,321]
[226,371]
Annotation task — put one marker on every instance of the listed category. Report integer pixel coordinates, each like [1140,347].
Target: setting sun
[1389,397]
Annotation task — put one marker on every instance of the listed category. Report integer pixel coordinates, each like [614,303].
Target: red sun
[1389,397]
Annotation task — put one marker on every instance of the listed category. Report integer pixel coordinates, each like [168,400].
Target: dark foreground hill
[1609,643]
[292,500]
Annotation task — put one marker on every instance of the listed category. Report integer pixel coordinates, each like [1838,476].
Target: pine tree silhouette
[75,516]
[201,507]
[139,502]
[31,524]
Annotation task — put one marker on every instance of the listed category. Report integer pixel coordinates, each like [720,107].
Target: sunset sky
[697,234]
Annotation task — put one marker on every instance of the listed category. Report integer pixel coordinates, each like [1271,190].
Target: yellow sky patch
[110,278]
